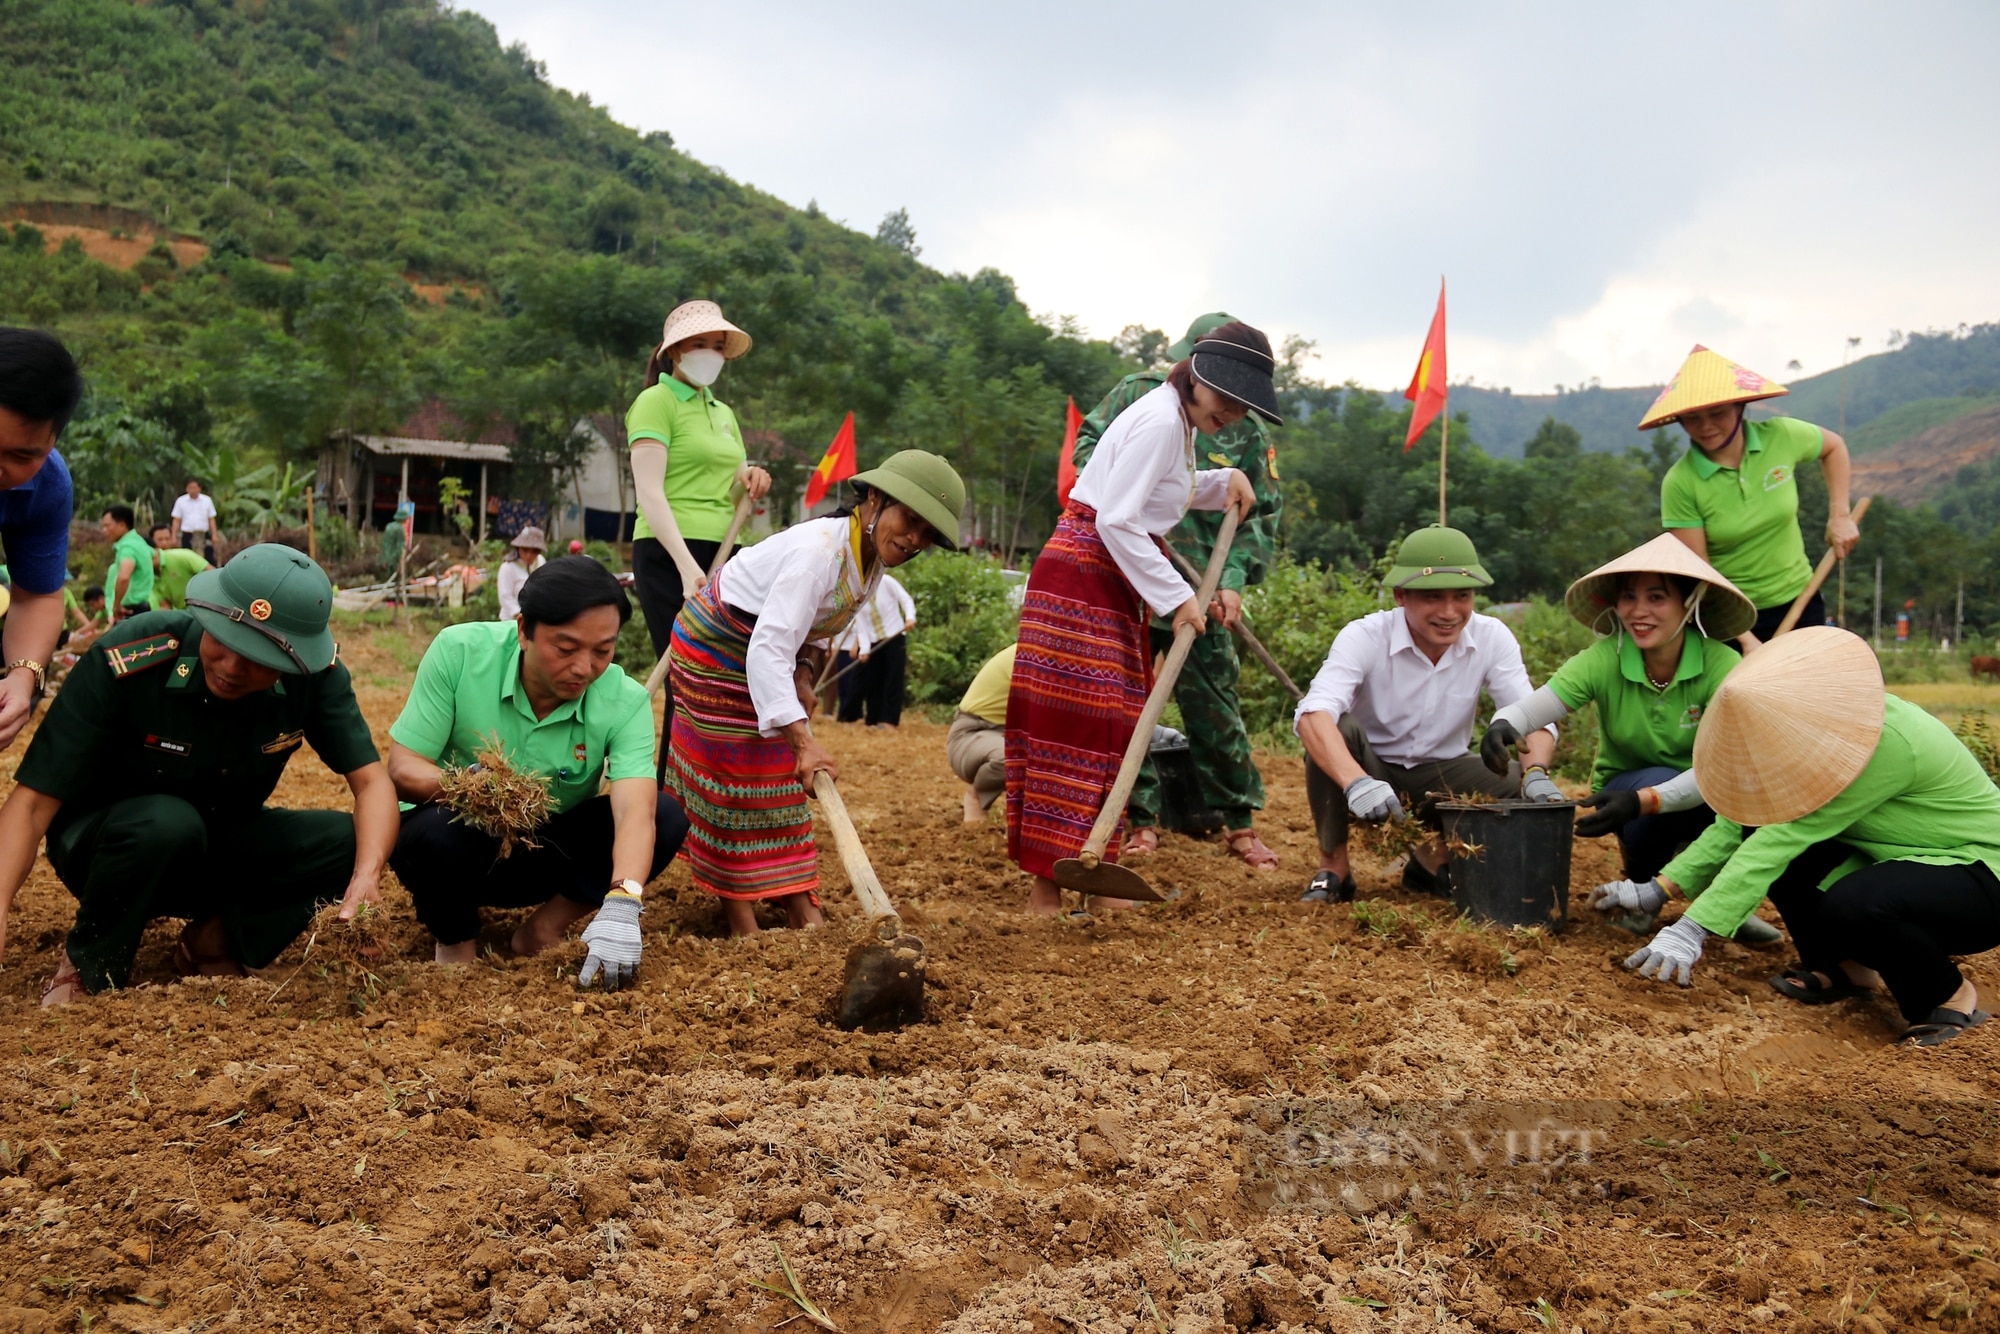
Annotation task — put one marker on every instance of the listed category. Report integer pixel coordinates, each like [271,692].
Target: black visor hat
[1242,373]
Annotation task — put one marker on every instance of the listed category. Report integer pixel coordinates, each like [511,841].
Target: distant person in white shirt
[877,638]
[194,526]
[523,558]
[1388,720]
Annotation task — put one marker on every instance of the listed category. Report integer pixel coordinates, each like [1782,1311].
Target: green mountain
[340,209]
[1927,380]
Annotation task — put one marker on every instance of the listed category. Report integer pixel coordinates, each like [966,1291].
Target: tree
[1137,343]
[896,232]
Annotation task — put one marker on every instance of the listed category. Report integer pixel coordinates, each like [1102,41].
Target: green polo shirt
[1639,727]
[177,566]
[468,690]
[132,547]
[1922,797]
[1750,512]
[704,452]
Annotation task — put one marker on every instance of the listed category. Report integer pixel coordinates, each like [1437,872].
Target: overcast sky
[1602,184]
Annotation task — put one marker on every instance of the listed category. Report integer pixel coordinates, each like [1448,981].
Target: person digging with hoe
[39,392]
[1388,719]
[1666,616]
[1871,827]
[149,777]
[535,702]
[747,650]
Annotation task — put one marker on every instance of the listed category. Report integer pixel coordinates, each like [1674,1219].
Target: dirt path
[1229,1111]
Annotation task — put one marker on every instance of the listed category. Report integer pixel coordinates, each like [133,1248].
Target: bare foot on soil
[1044,899]
[974,812]
[462,953]
[547,925]
[801,913]
[203,950]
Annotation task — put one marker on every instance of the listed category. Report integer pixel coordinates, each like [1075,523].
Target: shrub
[1981,736]
[1296,612]
[965,614]
[1549,637]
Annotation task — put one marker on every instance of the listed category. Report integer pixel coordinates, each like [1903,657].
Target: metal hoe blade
[1106,880]
[885,983]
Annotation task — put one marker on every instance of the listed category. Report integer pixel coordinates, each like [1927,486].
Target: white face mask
[700,366]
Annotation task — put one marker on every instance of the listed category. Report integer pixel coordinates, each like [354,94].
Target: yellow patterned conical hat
[1705,379]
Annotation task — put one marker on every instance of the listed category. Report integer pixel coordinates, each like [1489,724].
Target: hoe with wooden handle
[744,505]
[1819,577]
[885,969]
[1088,873]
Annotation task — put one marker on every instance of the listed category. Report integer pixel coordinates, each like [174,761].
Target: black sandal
[1325,887]
[1800,985]
[1942,1026]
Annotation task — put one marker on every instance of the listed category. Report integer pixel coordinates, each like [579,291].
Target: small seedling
[795,1293]
[1774,1170]
[1543,1311]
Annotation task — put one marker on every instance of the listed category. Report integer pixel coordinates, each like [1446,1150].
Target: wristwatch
[41,673]
[631,887]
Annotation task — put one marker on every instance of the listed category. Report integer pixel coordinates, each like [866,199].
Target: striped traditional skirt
[750,831]
[1081,675]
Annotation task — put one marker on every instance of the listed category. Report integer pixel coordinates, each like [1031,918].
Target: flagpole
[1444,444]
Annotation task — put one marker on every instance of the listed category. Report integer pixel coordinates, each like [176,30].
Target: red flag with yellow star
[1428,389]
[837,466]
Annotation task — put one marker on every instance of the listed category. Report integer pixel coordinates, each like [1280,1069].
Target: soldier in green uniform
[1206,690]
[150,773]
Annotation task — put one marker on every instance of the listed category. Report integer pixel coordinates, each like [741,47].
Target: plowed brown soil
[1230,1111]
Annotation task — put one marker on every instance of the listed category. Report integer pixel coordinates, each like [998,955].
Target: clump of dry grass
[495,798]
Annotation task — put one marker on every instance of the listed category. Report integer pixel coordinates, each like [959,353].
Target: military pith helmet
[1200,329]
[924,482]
[1438,557]
[270,603]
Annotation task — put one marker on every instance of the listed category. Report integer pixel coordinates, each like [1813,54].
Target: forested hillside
[307,216]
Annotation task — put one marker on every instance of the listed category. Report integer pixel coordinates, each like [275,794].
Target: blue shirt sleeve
[34,523]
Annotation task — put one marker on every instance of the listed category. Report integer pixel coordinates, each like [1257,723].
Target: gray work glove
[613,937]
[1372,800]
[1536,785]
[1629,896]
[1672,954]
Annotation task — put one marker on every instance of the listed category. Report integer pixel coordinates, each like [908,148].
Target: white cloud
[1604,185]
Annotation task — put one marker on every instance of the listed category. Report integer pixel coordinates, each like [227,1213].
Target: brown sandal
[1250,849]
[186,963]
[65,975]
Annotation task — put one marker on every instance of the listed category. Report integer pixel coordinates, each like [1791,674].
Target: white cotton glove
[1672,954]
[1629,896]
[613,937]
[1536,785]
[1371,799]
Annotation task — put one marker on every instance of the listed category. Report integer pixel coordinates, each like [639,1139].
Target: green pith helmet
[1437,557]
[925,483]
[1200,329]
[270,603]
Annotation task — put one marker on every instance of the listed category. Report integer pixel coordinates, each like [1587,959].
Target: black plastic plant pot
[1510,860]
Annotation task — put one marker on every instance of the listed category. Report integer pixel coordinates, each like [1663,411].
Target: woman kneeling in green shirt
[1666,615]
[1734,497]
[1871,827]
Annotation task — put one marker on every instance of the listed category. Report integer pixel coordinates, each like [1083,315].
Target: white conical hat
[1725,611]
[1790,727]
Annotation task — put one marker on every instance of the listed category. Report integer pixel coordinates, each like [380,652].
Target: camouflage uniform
[1206,690]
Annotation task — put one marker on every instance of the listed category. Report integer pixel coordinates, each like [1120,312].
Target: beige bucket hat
[1722,612]
[1790,727]
[530,536]
[1705,380]
[700,317]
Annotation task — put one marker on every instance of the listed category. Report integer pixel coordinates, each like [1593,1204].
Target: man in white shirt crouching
[1388,720]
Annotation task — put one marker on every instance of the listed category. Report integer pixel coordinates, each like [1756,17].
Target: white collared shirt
[790,582]
[890,612]
[1141,479]
[1412,710]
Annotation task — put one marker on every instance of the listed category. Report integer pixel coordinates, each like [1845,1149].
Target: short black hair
[94,591]
[38,377]
[124,515]
[567,587]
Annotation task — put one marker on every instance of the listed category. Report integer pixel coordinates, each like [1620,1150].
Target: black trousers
[1651,841]
[1463,773]
[657,581]
[158,856]
[203,541]
[1903,919]
[453,870]
[1768,617]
